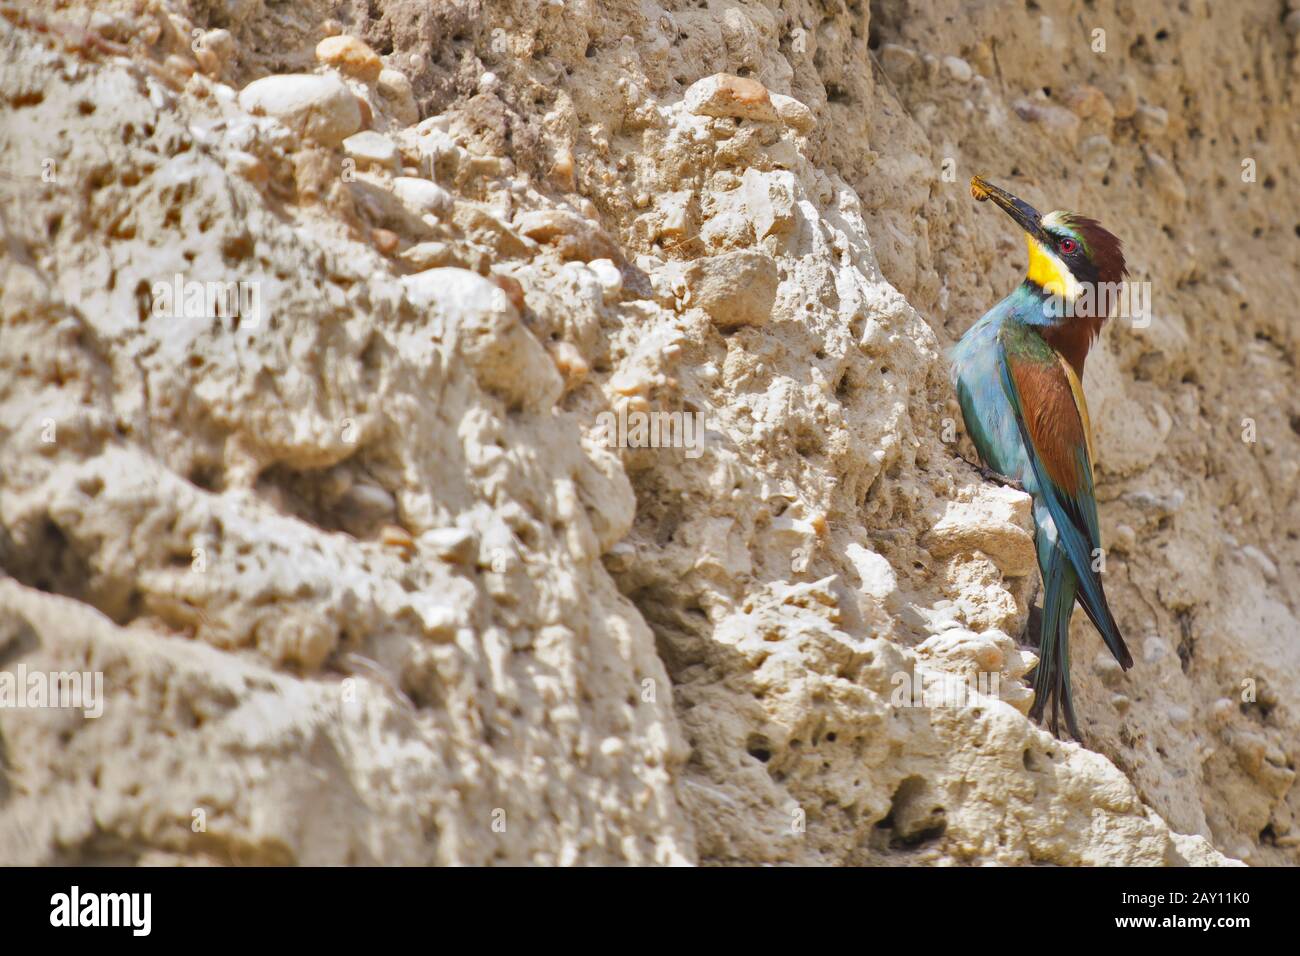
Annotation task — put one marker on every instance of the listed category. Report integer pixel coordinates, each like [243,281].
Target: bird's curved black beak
[1025,215]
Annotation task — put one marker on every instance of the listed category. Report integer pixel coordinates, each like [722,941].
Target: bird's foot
[999,479]
[988,474]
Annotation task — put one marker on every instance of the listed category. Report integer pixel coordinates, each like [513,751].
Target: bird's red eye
[1068,246]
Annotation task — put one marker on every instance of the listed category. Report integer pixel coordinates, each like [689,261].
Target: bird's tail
[1066,546]
[1052,676]
[1098,611]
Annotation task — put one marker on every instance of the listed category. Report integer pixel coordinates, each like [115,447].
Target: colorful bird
[1018,372]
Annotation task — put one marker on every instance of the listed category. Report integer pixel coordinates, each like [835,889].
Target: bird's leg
[988,474]
[999,479]
[1032,635]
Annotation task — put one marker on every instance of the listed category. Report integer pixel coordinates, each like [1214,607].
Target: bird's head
[1066,251]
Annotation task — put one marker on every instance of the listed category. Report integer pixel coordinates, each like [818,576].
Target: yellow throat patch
[1049,272]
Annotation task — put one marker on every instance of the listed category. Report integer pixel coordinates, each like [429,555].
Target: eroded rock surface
[349,544]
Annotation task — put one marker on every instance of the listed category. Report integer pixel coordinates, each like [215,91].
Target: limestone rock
[596,496]
[319,107]
[1057,121]
[350,55]
[731,96]
[735,288]
[1151,120]
[369,148]
[794,114]
[395,88]
[997,523]
[480,322]
[422,195]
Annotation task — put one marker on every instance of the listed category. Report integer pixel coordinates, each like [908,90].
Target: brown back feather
[1051,418]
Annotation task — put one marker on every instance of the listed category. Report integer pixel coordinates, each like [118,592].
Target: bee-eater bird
[1018,372]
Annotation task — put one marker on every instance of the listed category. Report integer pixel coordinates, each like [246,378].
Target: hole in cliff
[913,817]
[236,248]
[1162,34]
[99,177]
[885,22]
[206,475]
[49,563]
[759,747]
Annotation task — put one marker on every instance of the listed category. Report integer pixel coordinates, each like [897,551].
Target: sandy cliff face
[365,568]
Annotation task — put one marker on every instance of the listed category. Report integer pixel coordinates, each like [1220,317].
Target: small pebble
[738,97]
[958,69]
[350,55]
[385,240]
[422,195]
[397,538]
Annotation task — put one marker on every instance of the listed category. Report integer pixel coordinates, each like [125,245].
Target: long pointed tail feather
[1105,624]
[1063,660]
[1052,677]
[1071,548]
